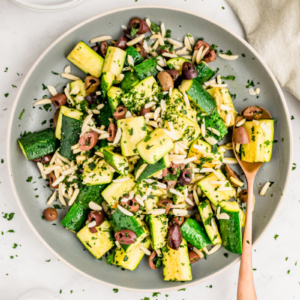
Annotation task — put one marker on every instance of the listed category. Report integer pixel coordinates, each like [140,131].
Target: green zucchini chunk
[177,63]
[176,263]
[113,97]
[137,57]
[117,161]
[198,95]
[38,144]
[120,221]
[75,217]
[70,133]
[130,80]
[77,214]
[86,59]
[209,222]
[216,122]
[230,229]
[212,193]
[261,136]
[115,190]
[97,243]
[195,234]
[106,114]
[159,230]
[151,170]
[155,146]
[146,69]
[204,72]
[130,259]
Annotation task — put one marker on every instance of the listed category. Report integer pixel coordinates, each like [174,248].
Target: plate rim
[41,8]
[44,53]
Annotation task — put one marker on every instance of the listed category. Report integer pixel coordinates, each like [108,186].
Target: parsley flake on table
[276,236]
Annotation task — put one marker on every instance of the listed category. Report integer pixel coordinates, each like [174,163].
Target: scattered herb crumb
[21,114]
[14,86]
[48,260]
[29,179]
[288,271]
[15,246]
[9,216]
[44,86]
[6,95]
[6,69]
[115,290]
[276,236]
[292,117]
[54,73]
[294,166]
[156,294]
[2,160]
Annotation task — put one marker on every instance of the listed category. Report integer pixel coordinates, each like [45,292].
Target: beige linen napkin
[273,29]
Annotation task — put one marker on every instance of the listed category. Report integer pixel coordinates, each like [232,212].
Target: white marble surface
[24,35]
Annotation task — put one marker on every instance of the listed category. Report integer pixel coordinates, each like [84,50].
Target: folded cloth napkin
[273,29]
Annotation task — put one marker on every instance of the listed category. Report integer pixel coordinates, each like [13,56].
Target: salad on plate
[138,150]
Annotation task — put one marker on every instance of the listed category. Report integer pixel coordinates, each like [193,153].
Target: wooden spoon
[246,288]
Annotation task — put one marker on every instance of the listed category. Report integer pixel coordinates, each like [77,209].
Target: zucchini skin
[106,114]
[204,72]
[137,57]
[146,69]
[38,144]
[215,121]
[150,169]
[120,221]
[70,133]
[75,218]
[193,233]
[202,97]
[230,231]
[130,79]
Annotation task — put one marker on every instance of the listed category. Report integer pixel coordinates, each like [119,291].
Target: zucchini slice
[261,134]
[120,221]
[133,131]
[230,229]
[114,191]
[211,190]
[130,259]
[223,99]
[38,144]
[198,95]
[195,234]
[70,134]
[159,230]
[86,59]
[209,222]
[176,263]
[155,146]
[97,243]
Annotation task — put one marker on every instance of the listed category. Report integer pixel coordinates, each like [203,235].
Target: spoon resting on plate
[246,288]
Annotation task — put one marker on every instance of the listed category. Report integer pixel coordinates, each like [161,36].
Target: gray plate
[64,244]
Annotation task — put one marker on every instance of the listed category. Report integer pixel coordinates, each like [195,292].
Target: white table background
[24,35]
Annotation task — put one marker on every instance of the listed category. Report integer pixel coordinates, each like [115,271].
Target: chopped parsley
[21,114]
